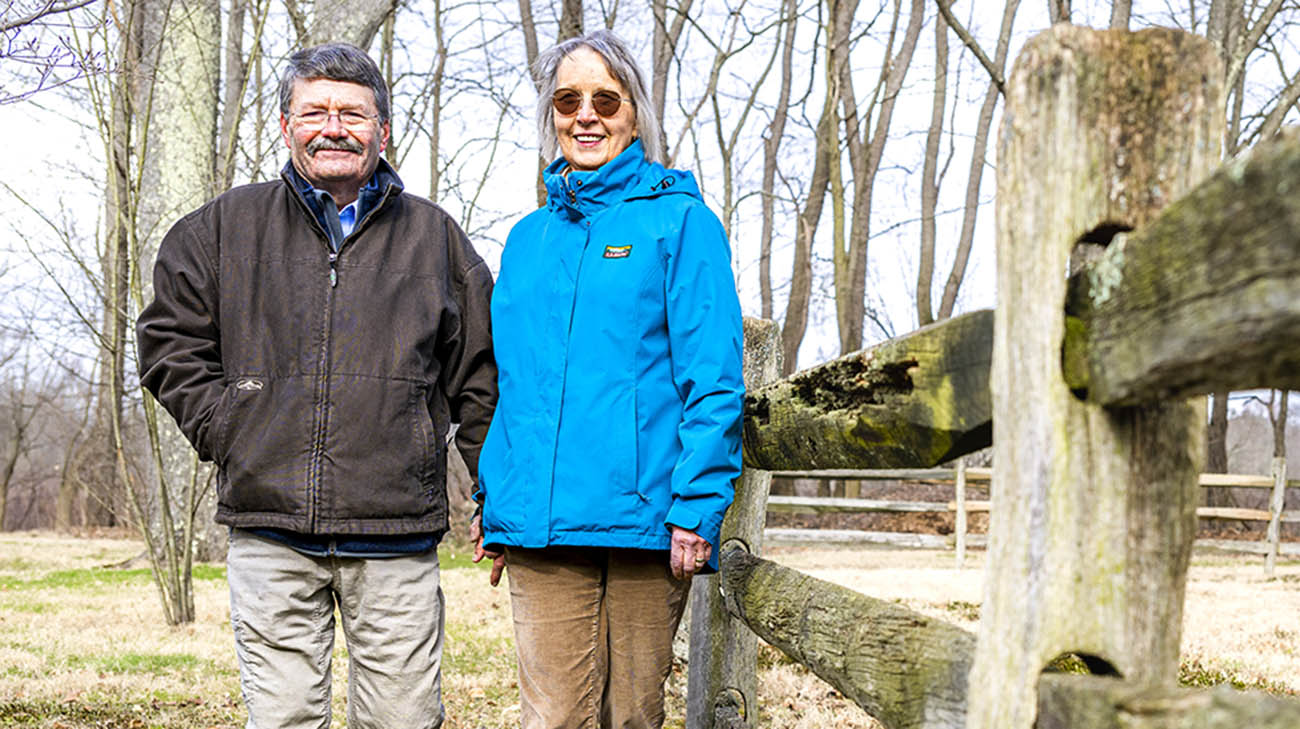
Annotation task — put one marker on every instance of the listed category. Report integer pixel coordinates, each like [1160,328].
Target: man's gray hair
[336,62]
[621,66]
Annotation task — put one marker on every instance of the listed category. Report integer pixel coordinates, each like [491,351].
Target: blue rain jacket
[617,334]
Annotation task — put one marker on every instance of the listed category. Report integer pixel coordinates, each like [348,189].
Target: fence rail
[960,539]
[1098,440]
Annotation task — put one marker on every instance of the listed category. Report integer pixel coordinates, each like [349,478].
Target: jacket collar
[383,184]
[626,176]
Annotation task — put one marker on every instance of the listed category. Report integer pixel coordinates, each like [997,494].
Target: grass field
[82,645]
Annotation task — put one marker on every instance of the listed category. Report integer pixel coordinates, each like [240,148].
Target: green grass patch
[94,578]
[204,571]
[1196,673]
[25,606]
[454,557]
[152,663]
[963,609]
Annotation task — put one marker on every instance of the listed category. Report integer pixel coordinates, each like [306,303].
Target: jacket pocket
[383,454]
[236,398]
[263,444]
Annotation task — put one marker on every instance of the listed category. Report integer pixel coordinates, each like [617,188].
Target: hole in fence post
[735,543]
[1088,248]
[1081,663]
[1093,243]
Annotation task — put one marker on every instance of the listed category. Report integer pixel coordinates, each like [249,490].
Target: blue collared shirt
[338,224]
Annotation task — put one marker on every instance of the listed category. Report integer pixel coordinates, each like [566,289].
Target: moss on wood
[1204,298]
[915,401]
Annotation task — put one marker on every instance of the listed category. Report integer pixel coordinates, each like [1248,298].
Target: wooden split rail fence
[1131,281]
[961,507]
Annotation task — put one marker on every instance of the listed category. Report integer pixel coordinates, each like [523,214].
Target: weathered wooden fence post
[1275,506]
[723,673]
[1095,507]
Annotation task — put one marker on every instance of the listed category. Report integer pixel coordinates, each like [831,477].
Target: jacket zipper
[564,373]
[314,467]
[322,407]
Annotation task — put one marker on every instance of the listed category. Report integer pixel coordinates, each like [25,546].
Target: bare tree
[866,147]
[826,154]
[23,399]
[1120,13]
[771,149]
[930,175]
[570,26]
[34,54]
[979,150]
[1059,11]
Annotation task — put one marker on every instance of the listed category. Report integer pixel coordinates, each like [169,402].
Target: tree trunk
[351,21]
[771,146]
[865,154]
[930,176]
[232,107]
[1216,459]
[975,176]
[435,113]
[667,32]
[1279,425]
[1120,12]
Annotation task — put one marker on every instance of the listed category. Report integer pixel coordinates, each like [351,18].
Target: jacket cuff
[680,515]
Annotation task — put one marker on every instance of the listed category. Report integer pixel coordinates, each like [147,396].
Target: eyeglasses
[318,118]
[606,103]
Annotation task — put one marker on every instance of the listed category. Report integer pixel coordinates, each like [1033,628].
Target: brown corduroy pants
[594,631]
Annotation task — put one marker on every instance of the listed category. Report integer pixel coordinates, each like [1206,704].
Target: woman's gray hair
[336,62]
[621,66]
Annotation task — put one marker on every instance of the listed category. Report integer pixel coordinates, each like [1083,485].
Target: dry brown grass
[85,647]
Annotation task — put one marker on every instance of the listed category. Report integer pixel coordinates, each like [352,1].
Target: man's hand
[688,553]
[498,559]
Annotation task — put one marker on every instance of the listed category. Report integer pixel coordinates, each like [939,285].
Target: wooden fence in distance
[961,507]
[1130,282]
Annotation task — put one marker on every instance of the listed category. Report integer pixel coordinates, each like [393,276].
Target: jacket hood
[626,177]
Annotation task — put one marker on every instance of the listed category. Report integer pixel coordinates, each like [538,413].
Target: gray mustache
[347,144]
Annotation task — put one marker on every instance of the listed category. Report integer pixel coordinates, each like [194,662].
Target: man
[315,336]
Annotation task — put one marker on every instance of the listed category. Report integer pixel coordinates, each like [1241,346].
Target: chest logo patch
[618,251]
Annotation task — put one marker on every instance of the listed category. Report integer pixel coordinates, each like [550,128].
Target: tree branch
[50,8]
[995,75]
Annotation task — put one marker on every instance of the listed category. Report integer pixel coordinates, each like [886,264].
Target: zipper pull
[334,274]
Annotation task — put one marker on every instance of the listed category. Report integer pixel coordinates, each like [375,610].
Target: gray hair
[336,62]
[621,66]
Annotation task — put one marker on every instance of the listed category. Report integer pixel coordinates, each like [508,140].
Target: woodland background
[847,146]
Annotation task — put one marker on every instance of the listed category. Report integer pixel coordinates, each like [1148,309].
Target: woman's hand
[498,559]
[688,553]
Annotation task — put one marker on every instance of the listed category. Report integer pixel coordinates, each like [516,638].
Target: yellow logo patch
[618,251]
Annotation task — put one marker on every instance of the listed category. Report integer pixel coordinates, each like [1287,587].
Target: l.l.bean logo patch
[618,251]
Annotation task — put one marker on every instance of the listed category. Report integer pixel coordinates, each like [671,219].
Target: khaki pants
[594,631]
[282,611]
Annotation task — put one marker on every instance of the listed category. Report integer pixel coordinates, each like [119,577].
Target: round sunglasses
[606,103]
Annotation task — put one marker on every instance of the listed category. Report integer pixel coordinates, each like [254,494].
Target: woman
[611,455]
